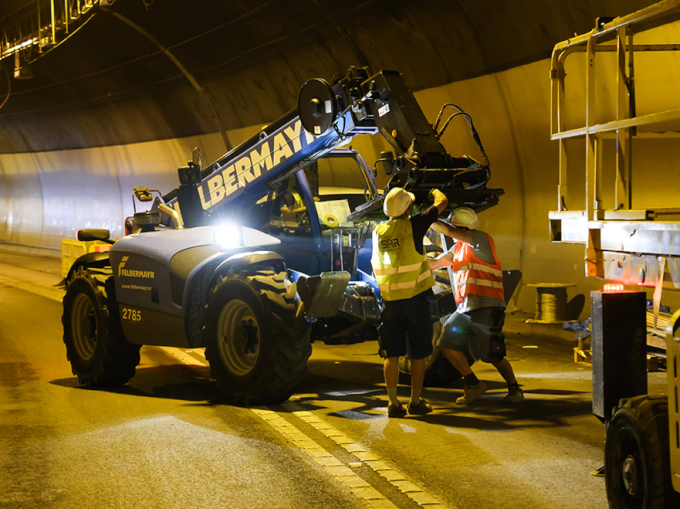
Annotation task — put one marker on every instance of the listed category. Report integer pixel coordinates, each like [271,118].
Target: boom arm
[329,116]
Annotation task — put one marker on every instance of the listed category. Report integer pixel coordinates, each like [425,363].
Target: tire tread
[291,339]
[120,359]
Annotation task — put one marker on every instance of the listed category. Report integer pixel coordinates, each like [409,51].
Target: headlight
[229,236]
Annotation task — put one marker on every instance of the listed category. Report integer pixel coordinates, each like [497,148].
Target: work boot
[396,411]
[472,392]
[421,408]
[515,395]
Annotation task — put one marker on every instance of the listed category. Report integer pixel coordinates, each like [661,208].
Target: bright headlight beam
[229,236]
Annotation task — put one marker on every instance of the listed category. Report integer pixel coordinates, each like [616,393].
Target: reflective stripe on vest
[401,271]
[404,285]
[483,268]
[474,276]
[398,270]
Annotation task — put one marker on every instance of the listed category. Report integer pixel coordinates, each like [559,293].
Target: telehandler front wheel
[95,345]
[256,346]
[637,455]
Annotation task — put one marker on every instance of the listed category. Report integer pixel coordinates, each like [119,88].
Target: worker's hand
[453,231]
[439,227]
[438,196]
[440,200]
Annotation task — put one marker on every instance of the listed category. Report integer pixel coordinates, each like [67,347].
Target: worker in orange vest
[477,324]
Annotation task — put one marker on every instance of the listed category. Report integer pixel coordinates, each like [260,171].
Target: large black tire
[95,345]
[637,456]
[438,370]
[256,345]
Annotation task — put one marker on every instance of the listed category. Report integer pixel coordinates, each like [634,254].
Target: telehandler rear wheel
[256,346]
[95,345]
[637,455]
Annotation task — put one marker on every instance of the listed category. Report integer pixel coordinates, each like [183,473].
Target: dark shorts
[480,331]
[407,327]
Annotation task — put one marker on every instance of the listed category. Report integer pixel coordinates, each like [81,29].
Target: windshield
[338,187]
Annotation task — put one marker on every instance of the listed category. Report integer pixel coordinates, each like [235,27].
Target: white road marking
[357,486]
[352,393]
[406,428]
[360,488]
[390,474]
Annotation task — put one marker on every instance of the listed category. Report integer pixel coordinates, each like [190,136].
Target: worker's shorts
[407,327]
[479,331]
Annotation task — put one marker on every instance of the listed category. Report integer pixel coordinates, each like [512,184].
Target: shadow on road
[153,382]
[542,407]
[360,384]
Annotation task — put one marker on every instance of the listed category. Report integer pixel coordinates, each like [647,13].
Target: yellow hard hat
[465,217]
[397,202]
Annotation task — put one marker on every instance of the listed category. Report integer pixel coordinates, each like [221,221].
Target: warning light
[612,288]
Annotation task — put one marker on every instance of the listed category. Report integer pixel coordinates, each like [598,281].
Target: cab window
[338,186]
[281,210]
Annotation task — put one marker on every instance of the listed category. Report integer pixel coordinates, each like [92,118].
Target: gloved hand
[438,196]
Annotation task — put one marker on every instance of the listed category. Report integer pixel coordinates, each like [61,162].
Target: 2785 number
[132,314]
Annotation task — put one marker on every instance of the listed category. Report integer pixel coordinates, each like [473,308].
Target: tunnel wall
[49,195]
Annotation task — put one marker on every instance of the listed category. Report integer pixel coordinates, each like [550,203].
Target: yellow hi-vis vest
[401,271]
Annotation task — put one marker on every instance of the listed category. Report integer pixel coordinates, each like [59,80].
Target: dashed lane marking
[363,454]
[358,486]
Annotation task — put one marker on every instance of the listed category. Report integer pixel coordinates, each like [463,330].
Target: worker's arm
[442,260]
[452,231]
[440,200]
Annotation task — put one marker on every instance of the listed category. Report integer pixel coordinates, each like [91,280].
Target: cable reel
[317,106]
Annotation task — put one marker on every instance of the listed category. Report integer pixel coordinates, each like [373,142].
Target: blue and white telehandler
[268,248]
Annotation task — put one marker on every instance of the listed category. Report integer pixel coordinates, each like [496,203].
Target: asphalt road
[166,440]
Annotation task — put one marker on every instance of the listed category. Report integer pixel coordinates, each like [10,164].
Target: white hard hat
[465,217]
[397,202]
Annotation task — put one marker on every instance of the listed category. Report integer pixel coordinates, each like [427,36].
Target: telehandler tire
[637,455]
[256,346]
[95,345]
[438,370]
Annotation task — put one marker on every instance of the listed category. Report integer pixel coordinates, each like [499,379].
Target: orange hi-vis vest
[474,276]
[400,270]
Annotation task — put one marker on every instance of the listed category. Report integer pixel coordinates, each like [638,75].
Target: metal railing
[623,127]
[634,247]
[595,226]
[33,29]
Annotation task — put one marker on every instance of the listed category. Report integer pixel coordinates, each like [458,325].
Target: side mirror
[196,158]
[142,193]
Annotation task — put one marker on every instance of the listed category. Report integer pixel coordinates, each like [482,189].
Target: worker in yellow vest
[477,324]
[405,280]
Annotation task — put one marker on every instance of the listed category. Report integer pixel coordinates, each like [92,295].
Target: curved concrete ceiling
[144,70]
